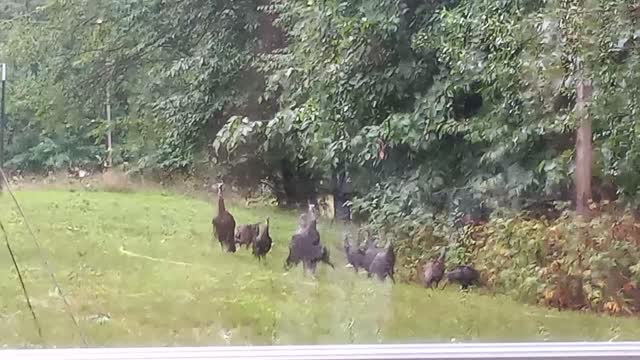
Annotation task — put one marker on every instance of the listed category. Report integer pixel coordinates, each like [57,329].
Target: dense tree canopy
[422,105]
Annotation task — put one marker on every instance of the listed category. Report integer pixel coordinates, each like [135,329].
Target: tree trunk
[583,148]
[109,143]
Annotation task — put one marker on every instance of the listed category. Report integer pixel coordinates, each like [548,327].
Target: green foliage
[388,72]
[537,260]
[175,65]
[346,68]
[37,153]
[211,46]
[473,95]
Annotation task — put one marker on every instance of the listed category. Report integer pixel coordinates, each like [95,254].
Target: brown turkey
[465,275]
[263,242]
[321,257]
[305,245]
[383,264]
[224,224]
[312,226]
[355,255]
[370,251]
[303,221]
[434,270]
[246,234]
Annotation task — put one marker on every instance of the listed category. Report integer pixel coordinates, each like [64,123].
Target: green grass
[222,298]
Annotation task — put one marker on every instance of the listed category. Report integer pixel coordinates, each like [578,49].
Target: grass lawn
[121,299]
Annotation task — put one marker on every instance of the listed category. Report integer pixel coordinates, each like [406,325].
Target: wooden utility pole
[109,65]
[584,147]
[109,147]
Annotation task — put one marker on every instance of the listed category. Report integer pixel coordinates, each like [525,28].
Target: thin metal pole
[2,113]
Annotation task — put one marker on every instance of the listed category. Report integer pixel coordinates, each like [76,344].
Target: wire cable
[24,288]
[43,258]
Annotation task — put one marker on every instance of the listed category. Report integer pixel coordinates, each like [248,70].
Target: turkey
[305,245]
[304,220]
[312,229]
[323,258]
[370,251]
[355,255]
[297,245]
[383,264]
[246,234]
[302,223]
[465,275]
[224,224]
[434,270]
[263,242]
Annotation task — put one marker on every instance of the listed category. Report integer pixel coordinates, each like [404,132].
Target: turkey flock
[306,247]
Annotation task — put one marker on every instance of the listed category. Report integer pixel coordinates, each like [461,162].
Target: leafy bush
[36,152]
[561,262]
[564,263]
